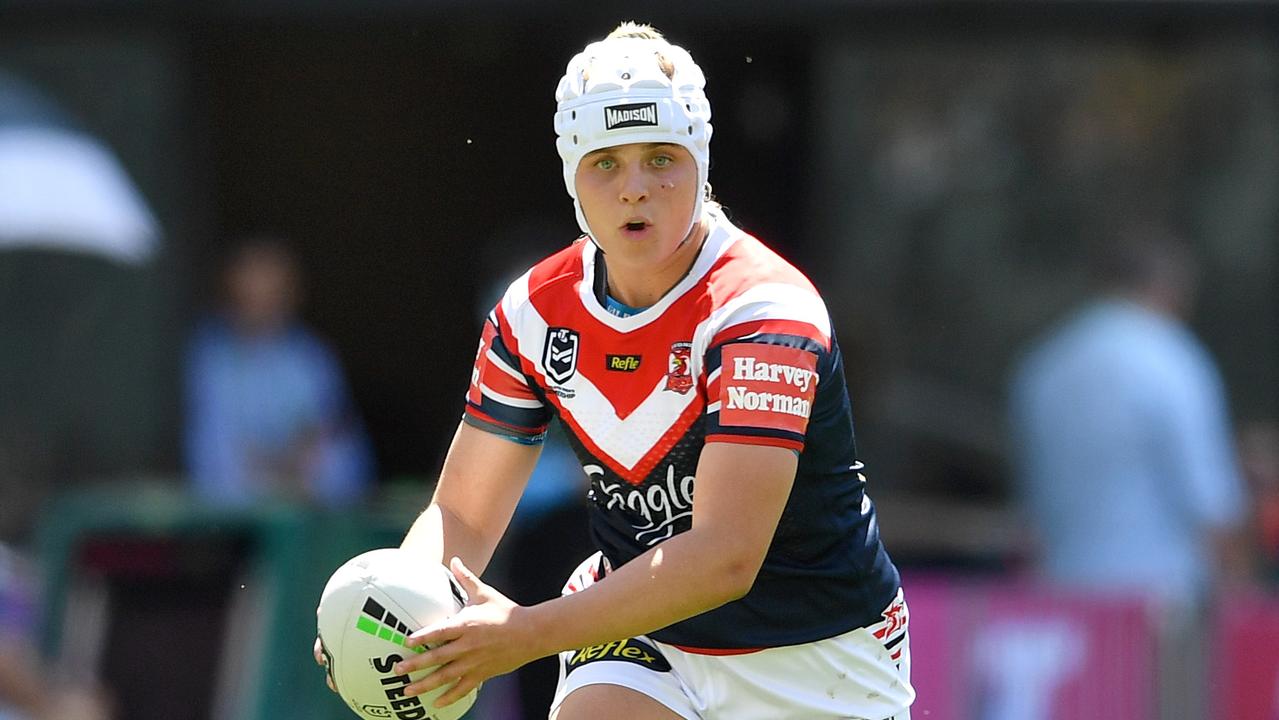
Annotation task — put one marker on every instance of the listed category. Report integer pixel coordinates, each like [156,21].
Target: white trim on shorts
[862,674]
[657,681]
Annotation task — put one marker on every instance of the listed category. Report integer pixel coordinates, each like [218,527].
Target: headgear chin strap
[614,92]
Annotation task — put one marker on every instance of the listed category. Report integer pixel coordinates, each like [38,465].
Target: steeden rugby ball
[369,607]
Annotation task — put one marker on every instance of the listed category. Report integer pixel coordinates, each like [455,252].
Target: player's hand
[486,638]
[318,649]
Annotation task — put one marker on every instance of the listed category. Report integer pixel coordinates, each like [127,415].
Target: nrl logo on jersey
[632,115]
[559,355]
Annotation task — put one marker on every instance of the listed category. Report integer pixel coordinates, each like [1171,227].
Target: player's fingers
[441,655]
[459,690]
[467,579]
[412,664]
[442,676]
[318,649]
[434,635]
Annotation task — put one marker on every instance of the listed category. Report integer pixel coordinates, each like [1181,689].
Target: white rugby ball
[368,609]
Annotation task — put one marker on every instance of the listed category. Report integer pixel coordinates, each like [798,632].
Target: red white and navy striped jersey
[739,351]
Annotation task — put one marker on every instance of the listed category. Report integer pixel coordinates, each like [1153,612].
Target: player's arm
[741,492]
[483,477]
[488,464]
[489,461]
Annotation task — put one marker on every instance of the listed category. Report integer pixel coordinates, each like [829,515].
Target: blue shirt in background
[253,401]
[1125,453]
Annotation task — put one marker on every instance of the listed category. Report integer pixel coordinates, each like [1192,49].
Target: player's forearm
[682,577]
[438,535]
[479,486]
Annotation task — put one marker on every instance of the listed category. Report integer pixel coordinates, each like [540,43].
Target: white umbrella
[61,189]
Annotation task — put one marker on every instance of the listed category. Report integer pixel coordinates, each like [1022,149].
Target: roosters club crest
[559,357]
[679,371]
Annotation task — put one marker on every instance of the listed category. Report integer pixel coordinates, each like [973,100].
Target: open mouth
[635,226]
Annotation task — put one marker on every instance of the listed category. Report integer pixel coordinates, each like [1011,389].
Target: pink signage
[1014,651]
[1246,667]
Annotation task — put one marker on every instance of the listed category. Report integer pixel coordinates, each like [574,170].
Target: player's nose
[634,186]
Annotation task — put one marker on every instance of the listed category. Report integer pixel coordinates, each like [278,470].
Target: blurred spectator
[1123,448]
[1259,460]
[268,412]
[26,692]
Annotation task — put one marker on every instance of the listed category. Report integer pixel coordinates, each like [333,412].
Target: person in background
[268,410]
[26,692]
[1122,449]
[1258,443]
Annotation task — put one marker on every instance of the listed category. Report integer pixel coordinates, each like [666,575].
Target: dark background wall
[917,159]
[409,156]
[416,165]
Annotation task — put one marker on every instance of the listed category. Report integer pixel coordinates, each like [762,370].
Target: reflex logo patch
[629,650]
[767,386]
[378,621]
[631,115]
[622,363]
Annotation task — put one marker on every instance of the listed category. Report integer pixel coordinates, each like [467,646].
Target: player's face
[638,199]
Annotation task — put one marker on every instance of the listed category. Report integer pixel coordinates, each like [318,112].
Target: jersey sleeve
[763,367]
[501,399]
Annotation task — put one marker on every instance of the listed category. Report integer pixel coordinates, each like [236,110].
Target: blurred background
[246,248]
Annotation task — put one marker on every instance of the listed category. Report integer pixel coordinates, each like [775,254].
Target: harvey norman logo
[739,398]
[632,115]
[749,368]
[768,386]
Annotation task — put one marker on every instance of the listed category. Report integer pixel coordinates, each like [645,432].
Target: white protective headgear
[614,92]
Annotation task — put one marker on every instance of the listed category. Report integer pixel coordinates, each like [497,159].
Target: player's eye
[606,163]
[663,161]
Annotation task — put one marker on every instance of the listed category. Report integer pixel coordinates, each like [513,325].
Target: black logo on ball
[559,356]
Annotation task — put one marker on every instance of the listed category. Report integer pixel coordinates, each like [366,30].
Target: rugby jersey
[740,351]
